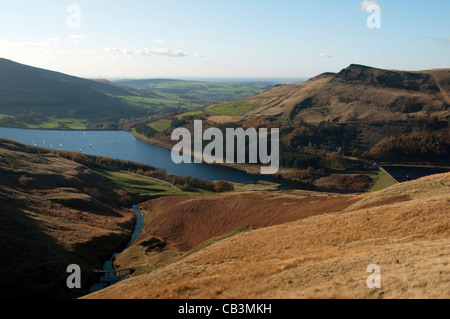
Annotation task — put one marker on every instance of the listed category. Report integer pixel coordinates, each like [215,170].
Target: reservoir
[124,146]
[403,173]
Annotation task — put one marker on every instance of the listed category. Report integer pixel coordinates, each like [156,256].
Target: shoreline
[62,129]
[253,170]
[295,185]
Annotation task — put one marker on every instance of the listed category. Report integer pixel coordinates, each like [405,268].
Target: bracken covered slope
[54,213]
[403,229]
[357,93]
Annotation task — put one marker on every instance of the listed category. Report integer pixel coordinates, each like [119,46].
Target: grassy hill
[315,246]
[349,113]
[53,213]
[357,93]
[36,98]
[25,89]
[60,208]
[191,94]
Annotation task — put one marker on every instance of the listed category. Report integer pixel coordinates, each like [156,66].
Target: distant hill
[51,93]
[357,93]
[37,98]
[194,94]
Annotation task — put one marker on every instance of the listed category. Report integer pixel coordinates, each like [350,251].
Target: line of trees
[145,130]
[418,146]
[296,160]
[187,183]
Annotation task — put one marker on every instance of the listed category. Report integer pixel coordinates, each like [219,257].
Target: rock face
[358,93]
[54,213]
[411,81]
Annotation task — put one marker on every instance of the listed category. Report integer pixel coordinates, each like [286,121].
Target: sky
[227,38]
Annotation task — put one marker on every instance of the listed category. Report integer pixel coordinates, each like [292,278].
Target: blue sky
[227,38]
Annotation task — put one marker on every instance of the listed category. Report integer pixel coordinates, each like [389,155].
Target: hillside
[37,98]
[404,229]
[28,89]
[53,213]
[176,226]
[192,94]
[357,93]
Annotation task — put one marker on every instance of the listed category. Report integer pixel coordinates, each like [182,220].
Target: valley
[292,244]
[349,192]
[41,99]
[224,158]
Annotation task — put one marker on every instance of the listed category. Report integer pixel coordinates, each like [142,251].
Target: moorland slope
[357,93]
[404,229]
[53,213]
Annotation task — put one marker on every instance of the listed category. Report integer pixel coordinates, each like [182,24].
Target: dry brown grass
[341,98]
[323,256]
[185,222]
[53,213]
[223,119]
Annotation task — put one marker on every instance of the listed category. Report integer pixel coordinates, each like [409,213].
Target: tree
[222,186]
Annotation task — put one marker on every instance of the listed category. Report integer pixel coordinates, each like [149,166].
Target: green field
[141,184]
[233,108]
[161,125]
[144,184]
[189,94]
[46,123]
[61,101]
[52,123]
[383,181]
[160,100]
[190,114]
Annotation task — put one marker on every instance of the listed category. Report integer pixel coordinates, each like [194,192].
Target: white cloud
[366,5]
[127,52]
[166,52]
[111,49]
[198,55]
[77,38]
[441,39]
[89,52]
[181,42]
[160,41]
[162,52]
[27,44]
[325,55]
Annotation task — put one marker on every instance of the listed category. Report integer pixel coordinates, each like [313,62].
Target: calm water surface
[122,145]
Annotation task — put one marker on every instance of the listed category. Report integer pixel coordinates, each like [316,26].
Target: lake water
[409,173]
[122,145]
